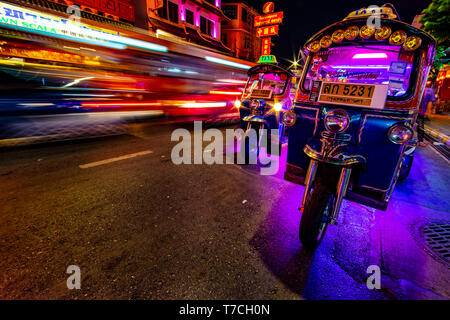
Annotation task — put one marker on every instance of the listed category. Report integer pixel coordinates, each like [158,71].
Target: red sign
[267,31]
[268,19]
[266,44]
[269,7]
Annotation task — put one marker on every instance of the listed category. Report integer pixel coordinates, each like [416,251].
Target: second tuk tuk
[266,97]
[352,123]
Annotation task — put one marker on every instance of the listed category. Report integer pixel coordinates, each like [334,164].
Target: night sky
[303,18]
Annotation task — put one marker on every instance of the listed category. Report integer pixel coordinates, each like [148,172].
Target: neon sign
[50,25]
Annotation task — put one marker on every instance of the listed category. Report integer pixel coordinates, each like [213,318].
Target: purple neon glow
[377,55]
[182,13]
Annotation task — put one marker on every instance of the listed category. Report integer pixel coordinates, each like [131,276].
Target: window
[274,81]
[189,16]
[224,39]
[230,12]
[162,12]
[169,11]
[206,26]
[173,12]
[244,15]
[247,43]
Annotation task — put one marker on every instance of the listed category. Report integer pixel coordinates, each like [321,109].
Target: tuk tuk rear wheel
[405,167]
[315,217]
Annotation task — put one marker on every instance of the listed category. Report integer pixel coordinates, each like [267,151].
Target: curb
[438,135]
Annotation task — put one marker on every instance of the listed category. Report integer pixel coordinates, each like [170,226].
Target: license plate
[353,94]
[261,94]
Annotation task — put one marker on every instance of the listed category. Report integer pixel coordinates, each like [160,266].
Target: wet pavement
[144,228]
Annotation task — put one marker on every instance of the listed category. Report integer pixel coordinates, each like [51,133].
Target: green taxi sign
[268,59]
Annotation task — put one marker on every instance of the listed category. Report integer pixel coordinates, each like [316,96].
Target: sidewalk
[438,126]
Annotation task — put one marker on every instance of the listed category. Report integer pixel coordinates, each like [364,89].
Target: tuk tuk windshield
[275,81]
[368,64]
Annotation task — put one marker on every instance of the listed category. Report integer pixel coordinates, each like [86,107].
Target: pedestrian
[428,96]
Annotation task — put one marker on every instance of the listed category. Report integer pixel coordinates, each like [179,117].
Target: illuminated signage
[367,12]
[267,31]
[267,59]
[266,44]
[269,19]
[23,19]
[268,7]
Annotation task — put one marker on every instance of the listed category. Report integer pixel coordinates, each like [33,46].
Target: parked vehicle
[266,97]
[351,125]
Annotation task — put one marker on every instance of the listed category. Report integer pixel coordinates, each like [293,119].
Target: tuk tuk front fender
[333,152]
[256,118]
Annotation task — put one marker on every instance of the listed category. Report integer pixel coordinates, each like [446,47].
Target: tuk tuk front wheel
[278,146]
[316,214]
[405,167]
[248,148]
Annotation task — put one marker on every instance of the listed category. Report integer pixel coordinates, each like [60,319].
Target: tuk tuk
[351,126]
[267,95]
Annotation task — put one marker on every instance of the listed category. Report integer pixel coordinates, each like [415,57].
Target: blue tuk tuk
[352,121]
[266,97]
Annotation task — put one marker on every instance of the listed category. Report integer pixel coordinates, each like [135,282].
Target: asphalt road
[145,228]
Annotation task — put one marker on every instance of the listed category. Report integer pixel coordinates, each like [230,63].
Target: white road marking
[127,156]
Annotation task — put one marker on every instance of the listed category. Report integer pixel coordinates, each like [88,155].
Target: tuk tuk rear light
[400,133]
[278,106]
[412,43]
[237,104]
[289,118]
[351,33]
[397,38]
[383,33]
[337,121]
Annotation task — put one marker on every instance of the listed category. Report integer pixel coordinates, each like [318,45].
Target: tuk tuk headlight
[278,106]
[337,121]
[400,133]
[289,118]
[237,104]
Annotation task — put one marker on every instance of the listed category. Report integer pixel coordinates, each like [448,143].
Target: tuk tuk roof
[265,67]
[359,22]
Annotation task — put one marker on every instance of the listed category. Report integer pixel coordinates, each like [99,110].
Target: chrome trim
[316,120]
[348,160]
[309,179]
[256,118]
[344,180]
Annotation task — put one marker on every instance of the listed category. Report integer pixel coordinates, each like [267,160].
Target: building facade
[239,33]
[196,21]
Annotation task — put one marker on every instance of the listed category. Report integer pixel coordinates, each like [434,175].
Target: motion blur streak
[230,93]
[120,104]
[47,73]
